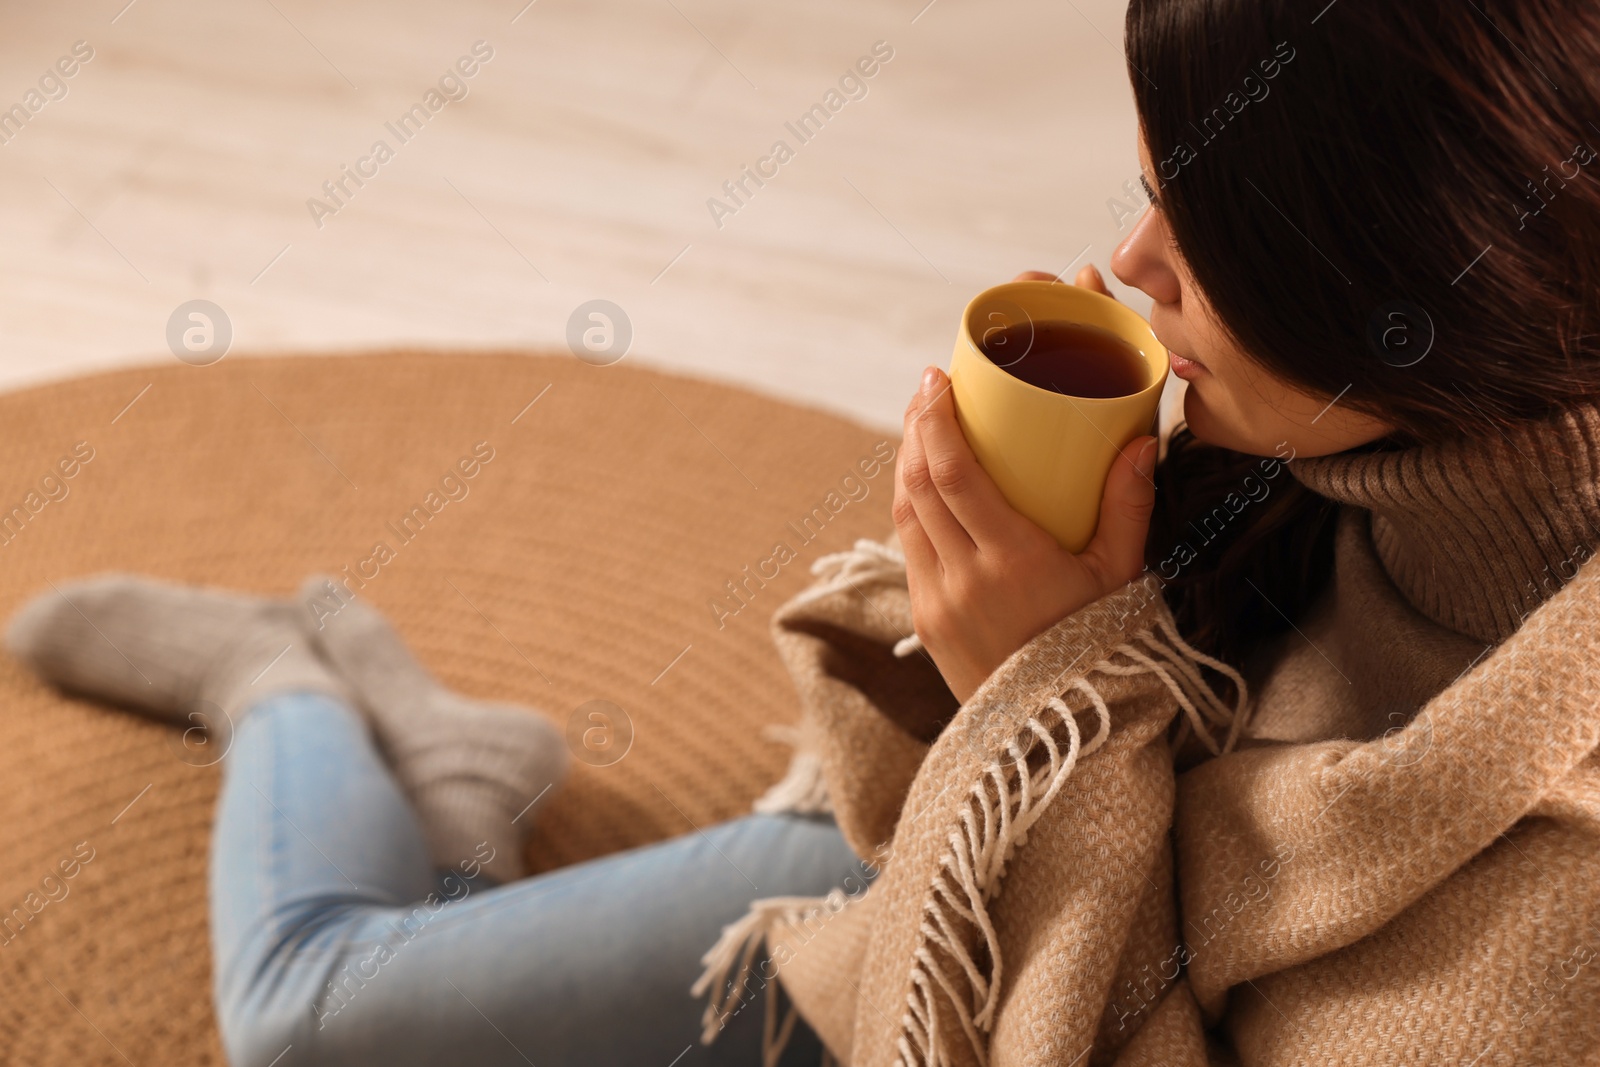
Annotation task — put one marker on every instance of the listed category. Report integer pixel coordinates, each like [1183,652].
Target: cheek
[1239,389]
[1230,372]
[1191,333]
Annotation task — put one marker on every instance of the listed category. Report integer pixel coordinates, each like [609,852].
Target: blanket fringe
[1013,791]
[908,646]
[1011,794]
[730,962]
[802,789]
[865,561]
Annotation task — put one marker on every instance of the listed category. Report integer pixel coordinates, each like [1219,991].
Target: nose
[1143,260]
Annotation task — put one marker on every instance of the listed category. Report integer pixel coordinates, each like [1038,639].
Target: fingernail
[930,378]
[1146,461]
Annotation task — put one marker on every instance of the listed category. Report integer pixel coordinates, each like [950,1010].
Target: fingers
[1090,278]
[1117,551]
[920,555]
[915,479]
[962,484]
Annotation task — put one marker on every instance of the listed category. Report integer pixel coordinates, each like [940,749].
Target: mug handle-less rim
[1113,315]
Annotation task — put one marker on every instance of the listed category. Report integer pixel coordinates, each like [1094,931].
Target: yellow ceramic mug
[1048,452]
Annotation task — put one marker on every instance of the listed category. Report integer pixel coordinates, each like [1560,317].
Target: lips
[1184,367]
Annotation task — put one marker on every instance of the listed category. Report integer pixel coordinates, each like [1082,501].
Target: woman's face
[1231,401]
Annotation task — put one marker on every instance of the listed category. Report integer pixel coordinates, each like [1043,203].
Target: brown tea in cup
[1067,357]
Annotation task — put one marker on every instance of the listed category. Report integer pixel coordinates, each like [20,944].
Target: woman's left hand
[985,579]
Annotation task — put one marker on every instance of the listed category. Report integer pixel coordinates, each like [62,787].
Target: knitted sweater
[1393,857]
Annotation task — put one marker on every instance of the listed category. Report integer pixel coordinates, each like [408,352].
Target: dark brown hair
[1353,185]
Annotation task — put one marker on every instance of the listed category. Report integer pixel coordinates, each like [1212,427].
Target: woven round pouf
[612,561]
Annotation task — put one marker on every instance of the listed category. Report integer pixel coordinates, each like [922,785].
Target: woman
[1304,775]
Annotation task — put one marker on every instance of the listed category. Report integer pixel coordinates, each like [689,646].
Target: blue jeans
[336,942]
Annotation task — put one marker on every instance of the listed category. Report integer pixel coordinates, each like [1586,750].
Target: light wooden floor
[179,163]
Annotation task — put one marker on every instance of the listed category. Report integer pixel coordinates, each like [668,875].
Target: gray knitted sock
[471,768]
[179,652]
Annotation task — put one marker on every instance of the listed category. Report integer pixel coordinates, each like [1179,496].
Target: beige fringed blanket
[1049,891]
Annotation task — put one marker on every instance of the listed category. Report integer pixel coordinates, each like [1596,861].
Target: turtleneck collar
[1478,532]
